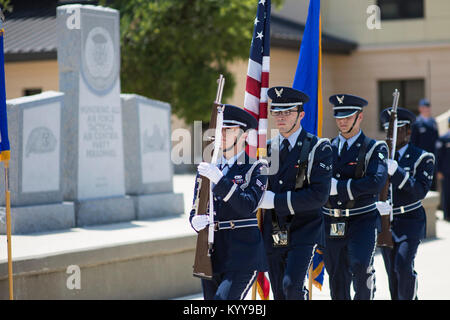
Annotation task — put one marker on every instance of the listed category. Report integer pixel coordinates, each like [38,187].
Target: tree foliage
[6,5]
[174,50]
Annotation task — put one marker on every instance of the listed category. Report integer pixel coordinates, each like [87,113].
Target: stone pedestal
[430,204]
[149,206]
[39,218]
[148,166]
[89,75]
[35,174]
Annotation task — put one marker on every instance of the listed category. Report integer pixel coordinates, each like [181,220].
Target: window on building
[31,91]
[401,9]
[411,91]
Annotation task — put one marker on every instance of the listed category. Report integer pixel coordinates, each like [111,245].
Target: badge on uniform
[338,230]
[280,238]
[238,179]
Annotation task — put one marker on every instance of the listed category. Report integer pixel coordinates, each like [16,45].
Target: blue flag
[4,140]
[318,269]
[308,76]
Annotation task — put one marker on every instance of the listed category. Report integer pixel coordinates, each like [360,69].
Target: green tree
[174,50]
[6,6]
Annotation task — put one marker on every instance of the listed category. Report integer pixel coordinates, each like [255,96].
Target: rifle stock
[202,263]
[385,237]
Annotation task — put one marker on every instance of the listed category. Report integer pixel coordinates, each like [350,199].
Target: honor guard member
[425,132]
[293,223]
[443,170]
[239,183]
[352,221]
[410,174]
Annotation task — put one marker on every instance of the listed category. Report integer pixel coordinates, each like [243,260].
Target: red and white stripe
[255,101]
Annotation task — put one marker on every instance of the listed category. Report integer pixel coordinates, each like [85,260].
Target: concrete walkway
[76,239]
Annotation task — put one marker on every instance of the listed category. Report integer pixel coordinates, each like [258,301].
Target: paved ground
[432,261]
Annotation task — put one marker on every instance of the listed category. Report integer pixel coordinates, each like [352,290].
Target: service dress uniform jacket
[410,182]
[238,251]
[298,211]
[443,166]
[424,134]
[351,219]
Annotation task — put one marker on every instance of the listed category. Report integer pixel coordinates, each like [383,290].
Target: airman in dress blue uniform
[443,169]
[352,221]
[293,223]
[411,174]
[239,183]
[424,131]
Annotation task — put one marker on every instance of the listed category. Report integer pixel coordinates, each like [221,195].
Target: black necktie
[344,148]
[284,151]
[397,156]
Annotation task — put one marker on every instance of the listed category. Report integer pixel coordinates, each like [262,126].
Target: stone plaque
[155,143]
[41,148]
[146,129]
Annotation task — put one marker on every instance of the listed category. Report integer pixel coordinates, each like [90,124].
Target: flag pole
[259,219]
[8,229]
[310,275]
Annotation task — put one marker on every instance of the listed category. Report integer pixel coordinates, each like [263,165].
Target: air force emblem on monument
[100,59]
[155,142]
[40,140]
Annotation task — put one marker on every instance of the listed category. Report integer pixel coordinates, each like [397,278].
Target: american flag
[255,100]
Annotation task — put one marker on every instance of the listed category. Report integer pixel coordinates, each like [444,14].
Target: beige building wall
[359,74]
[348,19]
[31,74]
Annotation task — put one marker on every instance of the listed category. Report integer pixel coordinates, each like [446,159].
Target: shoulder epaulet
[248,175]
[383,144]
[421,157]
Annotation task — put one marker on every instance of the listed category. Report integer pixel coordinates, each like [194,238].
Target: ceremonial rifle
[385,236]
[205,239]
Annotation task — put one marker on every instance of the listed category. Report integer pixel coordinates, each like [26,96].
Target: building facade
[409,51]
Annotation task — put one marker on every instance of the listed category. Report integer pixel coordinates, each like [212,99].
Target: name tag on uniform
[338,229]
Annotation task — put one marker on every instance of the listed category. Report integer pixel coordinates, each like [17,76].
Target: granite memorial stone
[89,75]
[35,168]
[148,167]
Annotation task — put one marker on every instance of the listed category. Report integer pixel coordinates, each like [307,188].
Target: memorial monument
[89,75]
[36,167]
[87,155]
[148,167]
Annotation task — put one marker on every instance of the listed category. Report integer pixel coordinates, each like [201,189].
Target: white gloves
[333,190]
[210,171]
[383,207]
[268,200]
[392,166]
[199,221]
